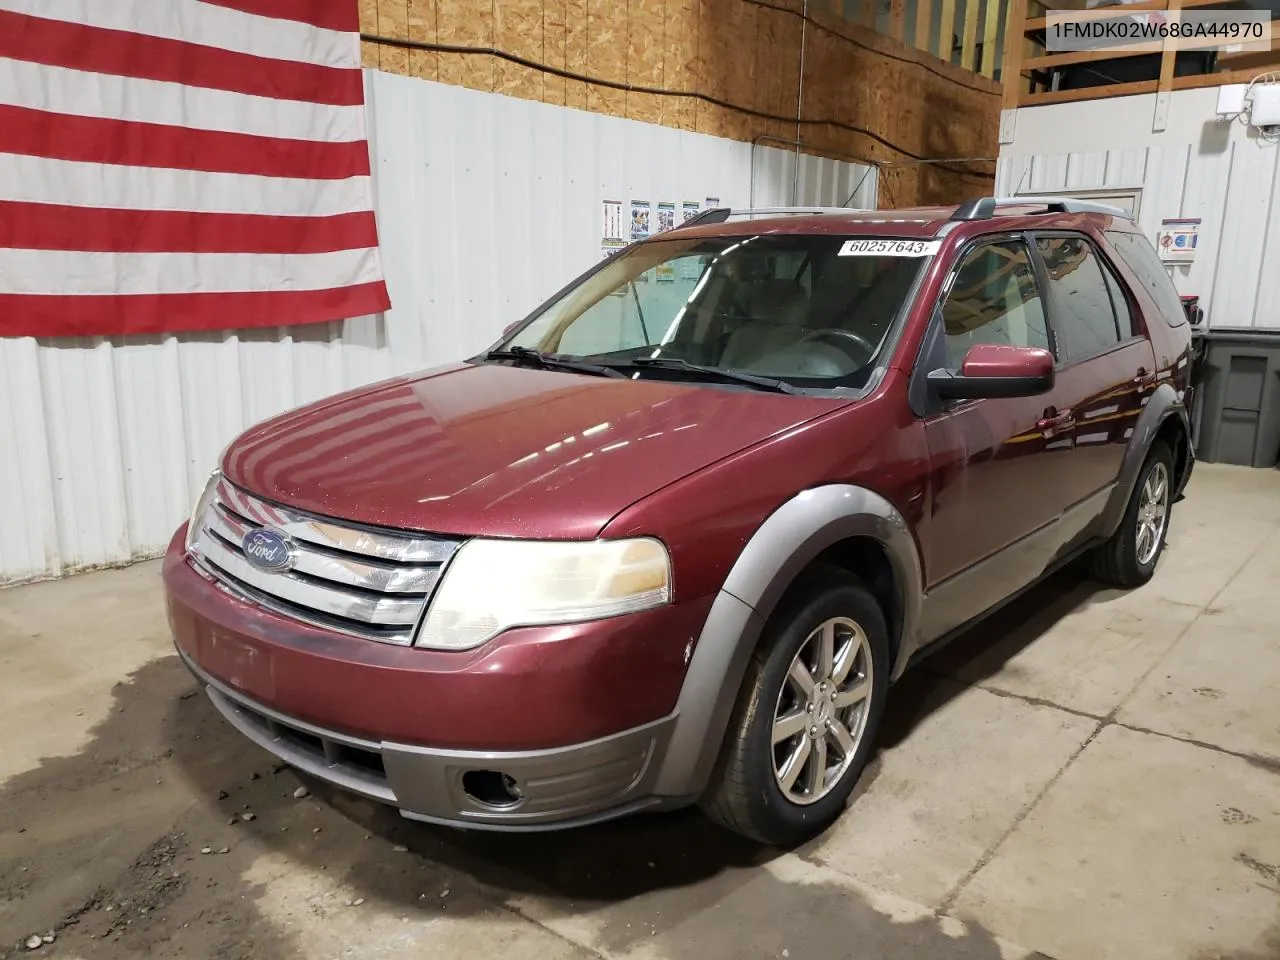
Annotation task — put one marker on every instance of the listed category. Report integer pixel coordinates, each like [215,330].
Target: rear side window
[1141,258]
[994,299]
[1085,318]
[1124,316]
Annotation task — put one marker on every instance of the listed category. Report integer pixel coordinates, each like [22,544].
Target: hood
[492,450]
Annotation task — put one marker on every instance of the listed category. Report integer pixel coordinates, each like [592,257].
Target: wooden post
[990,36]
[1014,42]
[924,20]
[897,18]
[946,30]
[969,35]
[1168,58]
[1169,54]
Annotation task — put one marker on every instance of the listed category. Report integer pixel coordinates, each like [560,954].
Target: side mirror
[993,370]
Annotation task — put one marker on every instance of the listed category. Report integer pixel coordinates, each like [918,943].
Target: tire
[1122,561]
[746,793]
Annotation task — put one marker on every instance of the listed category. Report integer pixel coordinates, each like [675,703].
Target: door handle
[1055,421]
[1142,378]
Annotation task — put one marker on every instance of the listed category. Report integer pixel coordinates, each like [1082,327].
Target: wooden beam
[1254,61]
[947,30]
[1085,56]
[1088,93]
[924,20]
[1216,79]
[990,36]
[969,35]
[1011,70]
[1194,82]
[897,18]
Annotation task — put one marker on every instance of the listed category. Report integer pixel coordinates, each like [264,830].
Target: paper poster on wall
[666,217]
[1177,239]
[665,272]
[691,267]
[609,247]
[640,227]
[612,225]
[711,204]
[688,210]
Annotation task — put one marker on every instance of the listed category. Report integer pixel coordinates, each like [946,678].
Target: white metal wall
[486,205]
[1198,167]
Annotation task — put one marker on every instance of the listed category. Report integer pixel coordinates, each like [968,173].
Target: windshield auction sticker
[890,248]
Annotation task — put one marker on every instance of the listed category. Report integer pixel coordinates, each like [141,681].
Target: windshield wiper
[729,376]
[549,361]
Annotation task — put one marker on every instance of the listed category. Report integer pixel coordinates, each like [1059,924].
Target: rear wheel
[806,718]
[1129,558]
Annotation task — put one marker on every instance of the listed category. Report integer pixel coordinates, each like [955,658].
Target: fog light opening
[493,789]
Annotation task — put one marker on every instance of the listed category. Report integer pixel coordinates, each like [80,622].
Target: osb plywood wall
[730,68]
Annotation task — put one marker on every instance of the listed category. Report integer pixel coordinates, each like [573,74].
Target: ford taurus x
[672,539]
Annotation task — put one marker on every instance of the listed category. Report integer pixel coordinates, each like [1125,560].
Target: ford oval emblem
[268,550]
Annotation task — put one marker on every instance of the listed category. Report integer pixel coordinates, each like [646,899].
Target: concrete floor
[1090,775]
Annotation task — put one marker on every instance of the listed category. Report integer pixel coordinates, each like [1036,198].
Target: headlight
[491,585]
[197,512]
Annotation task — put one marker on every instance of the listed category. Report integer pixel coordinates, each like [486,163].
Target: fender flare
[1163,403]
[791,538]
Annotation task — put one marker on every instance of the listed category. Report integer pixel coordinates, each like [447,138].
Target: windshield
[805,310]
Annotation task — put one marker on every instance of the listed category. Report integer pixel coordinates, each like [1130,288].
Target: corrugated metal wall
[1232,188]
[486,205]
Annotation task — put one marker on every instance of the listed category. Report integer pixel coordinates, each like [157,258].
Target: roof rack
[984,208]
[721,214]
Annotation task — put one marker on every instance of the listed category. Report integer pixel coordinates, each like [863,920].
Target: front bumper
[560,786]
[579,717]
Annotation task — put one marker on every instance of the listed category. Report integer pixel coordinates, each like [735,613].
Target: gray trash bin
[1237,416]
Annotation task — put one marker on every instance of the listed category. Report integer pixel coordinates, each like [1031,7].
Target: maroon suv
[672,538]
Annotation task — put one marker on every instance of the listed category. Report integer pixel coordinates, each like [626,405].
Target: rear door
[1106,368]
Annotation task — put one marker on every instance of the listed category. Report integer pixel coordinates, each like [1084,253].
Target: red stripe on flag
[64,136]
[326,14]
[87,316]
[50,226]
[57,43]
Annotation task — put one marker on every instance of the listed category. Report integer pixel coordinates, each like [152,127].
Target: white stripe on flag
[41,180]
[62,90]
[73,272]
[195,22]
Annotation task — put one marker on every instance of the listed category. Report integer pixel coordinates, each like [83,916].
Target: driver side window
[994,299]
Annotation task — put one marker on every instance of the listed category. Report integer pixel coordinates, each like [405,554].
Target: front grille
[371,583]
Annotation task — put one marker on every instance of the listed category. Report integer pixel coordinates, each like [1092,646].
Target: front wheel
[805,723]
[1129,558]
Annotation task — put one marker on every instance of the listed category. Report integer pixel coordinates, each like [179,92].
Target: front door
[996,464]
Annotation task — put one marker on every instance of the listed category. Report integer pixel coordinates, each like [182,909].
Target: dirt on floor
[105,851]
[140,845]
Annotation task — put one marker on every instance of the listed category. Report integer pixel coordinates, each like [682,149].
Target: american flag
[173,165]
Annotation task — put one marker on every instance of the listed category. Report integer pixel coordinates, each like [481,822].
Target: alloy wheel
[822,710]
[1153,510]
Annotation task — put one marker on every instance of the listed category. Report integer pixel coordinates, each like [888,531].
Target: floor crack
[949,900]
